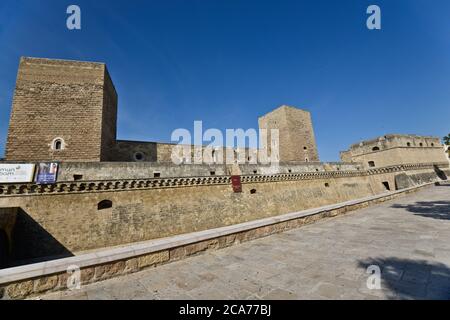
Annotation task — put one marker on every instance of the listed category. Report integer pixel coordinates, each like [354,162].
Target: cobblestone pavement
[408,238]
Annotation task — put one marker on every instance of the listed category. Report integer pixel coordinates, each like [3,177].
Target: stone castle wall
[401,155]
[158,152]
[66,218]
[395,149]
[71,171]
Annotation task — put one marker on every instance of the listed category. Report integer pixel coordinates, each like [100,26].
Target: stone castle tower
[62,110]
[67,111]
[296,133]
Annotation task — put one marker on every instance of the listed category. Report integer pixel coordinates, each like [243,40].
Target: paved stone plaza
[408,238]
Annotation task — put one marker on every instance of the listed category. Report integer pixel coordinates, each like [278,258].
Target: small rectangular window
[213,173]
[371,164]
[77,177]
[156,174]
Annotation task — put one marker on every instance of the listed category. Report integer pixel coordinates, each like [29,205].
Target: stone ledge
[34,279]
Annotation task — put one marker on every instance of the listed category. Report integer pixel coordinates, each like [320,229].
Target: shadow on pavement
[429,209]
[412,279]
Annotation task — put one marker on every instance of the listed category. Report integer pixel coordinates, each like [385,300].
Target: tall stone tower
[296,133]
[62,110]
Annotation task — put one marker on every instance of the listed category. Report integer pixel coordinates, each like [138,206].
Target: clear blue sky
[226,62]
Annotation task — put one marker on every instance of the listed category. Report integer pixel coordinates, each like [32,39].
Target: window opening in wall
[386,185]
[156,174]
[409,144]
[255,171]
[432,144]
[253,191]
[213,173]
[77,177]
[305,148]
[289,170]
[375,149]
[371,164]
[58,144]
[421,144]
[105,204]
[327,184]
[139,156]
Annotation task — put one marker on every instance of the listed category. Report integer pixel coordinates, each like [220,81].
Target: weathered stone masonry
[65,218]
[72,101]
[67,111]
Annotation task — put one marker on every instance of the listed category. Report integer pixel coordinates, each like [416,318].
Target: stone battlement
[399,140]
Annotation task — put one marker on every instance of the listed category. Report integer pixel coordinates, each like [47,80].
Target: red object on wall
[236,183]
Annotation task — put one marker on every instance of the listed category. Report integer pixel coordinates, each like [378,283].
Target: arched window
[375,149]
[213,155]
[58,144]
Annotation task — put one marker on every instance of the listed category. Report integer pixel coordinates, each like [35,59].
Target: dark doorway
[386,185]
[4,249]
[31,243]
[441,174]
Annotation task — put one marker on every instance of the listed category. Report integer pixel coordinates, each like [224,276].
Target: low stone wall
[36,279]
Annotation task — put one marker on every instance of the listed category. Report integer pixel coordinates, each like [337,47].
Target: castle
[113,192]
[67,111]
